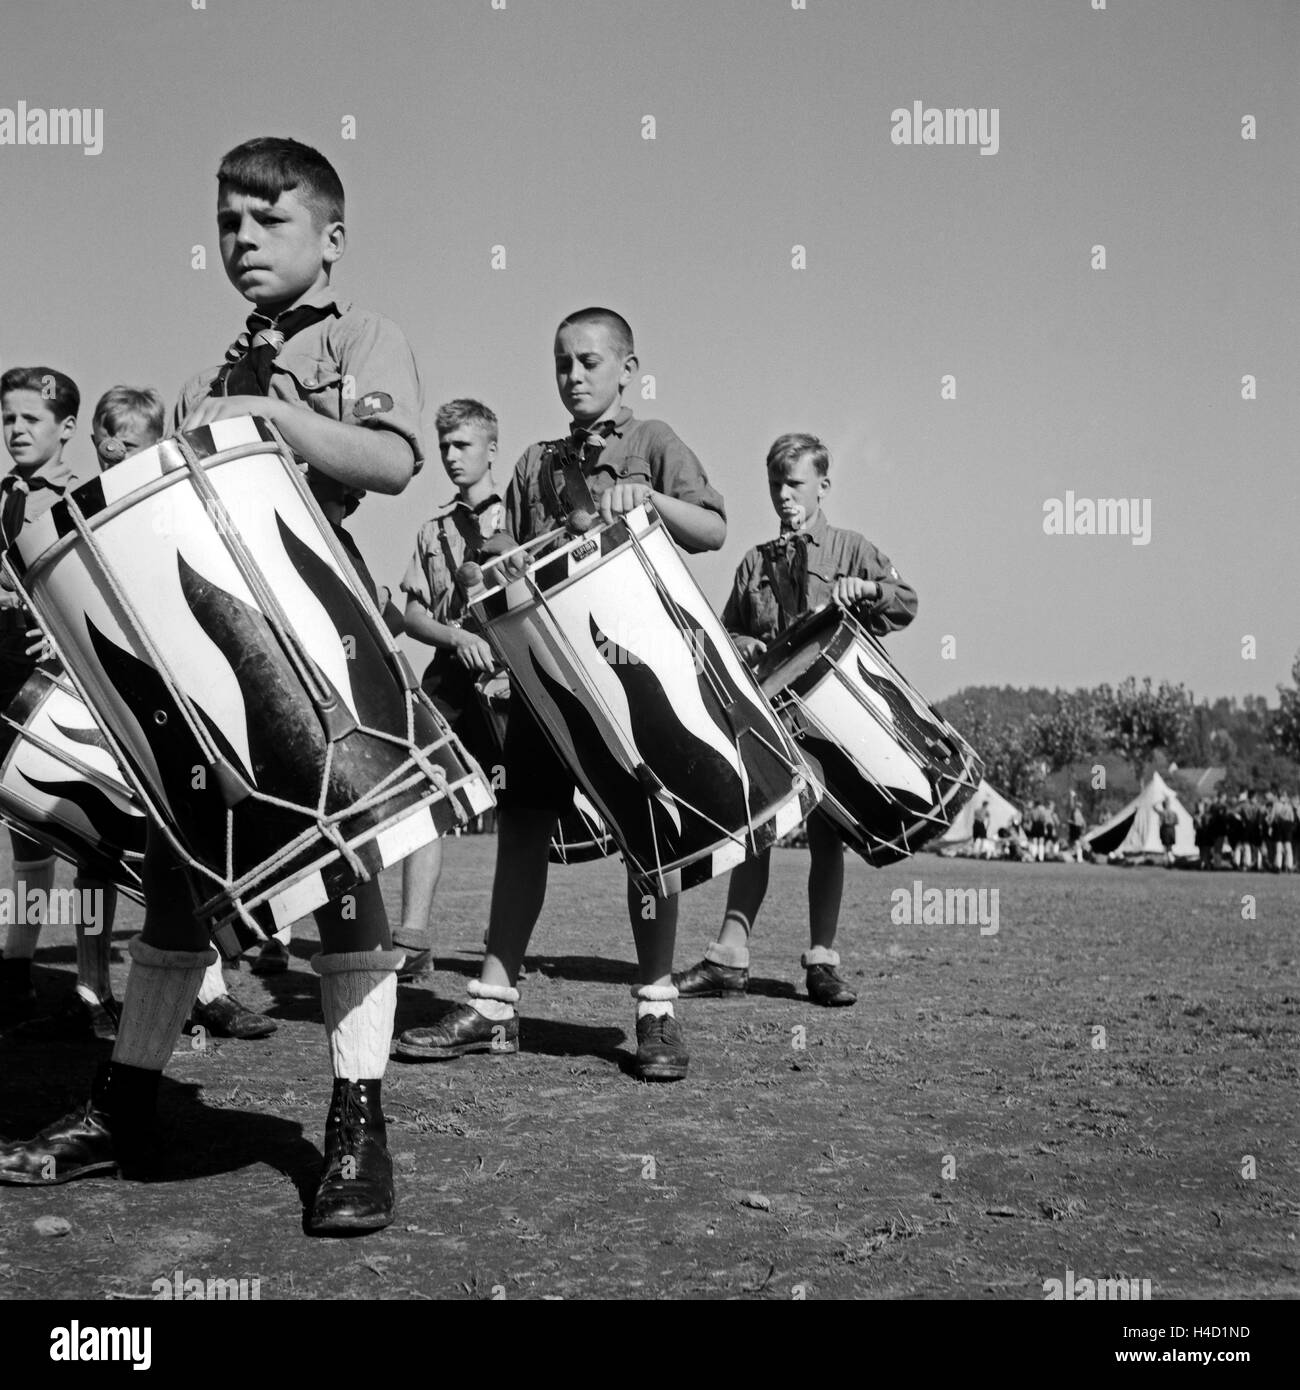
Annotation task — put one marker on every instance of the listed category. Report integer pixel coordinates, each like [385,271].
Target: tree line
[1027,736]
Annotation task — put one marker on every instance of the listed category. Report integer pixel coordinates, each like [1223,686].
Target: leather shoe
[76,1021]
[355,1192]
[660,1050]
[418,965]
[461,1030]
[109,1132]
[272,959]
[709,980]
[228,1018]
[826,987]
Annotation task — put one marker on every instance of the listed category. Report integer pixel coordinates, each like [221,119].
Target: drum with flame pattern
[640,691]
[216,627]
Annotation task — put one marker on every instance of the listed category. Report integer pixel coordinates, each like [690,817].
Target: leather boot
[110,1133]
[356,1183]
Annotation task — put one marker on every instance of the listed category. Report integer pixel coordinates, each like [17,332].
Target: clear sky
[522,127]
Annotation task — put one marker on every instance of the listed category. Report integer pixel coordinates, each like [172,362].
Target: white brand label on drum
[945,907]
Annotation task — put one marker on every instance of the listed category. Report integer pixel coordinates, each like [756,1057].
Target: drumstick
[580,520]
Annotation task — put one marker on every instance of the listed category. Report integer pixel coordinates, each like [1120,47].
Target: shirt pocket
[764,611]
[319,381]
[633,468]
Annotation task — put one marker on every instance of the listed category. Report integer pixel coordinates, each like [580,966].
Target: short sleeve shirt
[58,478]
[642,451]
[353,366]
[441,547]
[765,597]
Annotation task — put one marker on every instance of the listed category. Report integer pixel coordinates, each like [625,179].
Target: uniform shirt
[635,451]
[59,476]
[442,545]
[768,594]
[353,366]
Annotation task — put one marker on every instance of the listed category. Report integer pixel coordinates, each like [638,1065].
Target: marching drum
[580,834]
[894,771]
[219,632]
[628,671]
[60,782]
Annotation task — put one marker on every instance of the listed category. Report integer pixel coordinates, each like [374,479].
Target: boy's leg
[660,1050]
[33,879]
[168,962]
[725,967]
[825,893]
[96,901]
[420,874]
[487,1021]
[358,971]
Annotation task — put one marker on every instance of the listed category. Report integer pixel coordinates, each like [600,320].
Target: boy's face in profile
[33,433]
[797,490]
[128,436]
[589,370]
[274,253]
[467,454]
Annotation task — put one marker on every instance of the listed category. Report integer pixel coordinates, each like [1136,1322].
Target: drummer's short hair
[790,448]
[620,331]
[273,164]
[465,411]
[121,403]
[57,388]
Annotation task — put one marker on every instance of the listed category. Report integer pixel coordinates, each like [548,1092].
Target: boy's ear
[630,364]
[67,429]
[334,242]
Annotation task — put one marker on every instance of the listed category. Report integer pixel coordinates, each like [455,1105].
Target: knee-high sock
[358,994]
[37,877]
[160,992]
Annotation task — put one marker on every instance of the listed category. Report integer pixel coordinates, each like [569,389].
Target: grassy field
[965,1131]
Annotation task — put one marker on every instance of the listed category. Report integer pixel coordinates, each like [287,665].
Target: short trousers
[534,777]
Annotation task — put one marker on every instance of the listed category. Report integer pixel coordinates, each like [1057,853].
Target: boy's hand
[621,498]
[750,648]
[849,590]
[228,407]
[474,653]
[39,645]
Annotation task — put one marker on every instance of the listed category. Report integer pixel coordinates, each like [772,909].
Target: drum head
[796,650]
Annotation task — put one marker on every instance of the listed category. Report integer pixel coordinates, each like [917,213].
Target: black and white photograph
[649,653]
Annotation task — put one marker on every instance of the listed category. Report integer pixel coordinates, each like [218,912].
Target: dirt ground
[960,1133]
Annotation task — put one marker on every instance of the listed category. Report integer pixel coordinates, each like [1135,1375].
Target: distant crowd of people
[1255,830]
[1038,840]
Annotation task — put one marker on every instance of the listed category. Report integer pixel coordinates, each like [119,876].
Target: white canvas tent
[1136,829]
[1000,813]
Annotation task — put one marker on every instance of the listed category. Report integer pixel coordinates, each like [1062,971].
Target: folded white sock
[495,1002]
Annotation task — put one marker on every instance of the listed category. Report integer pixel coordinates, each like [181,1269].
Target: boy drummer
[810,564]
[626,462]
[467,442]
[39,407]
[341,385]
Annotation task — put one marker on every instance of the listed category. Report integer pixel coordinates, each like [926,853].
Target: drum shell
[628,671]
[894,770]
[224,641]
[580,835]
[60,782]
